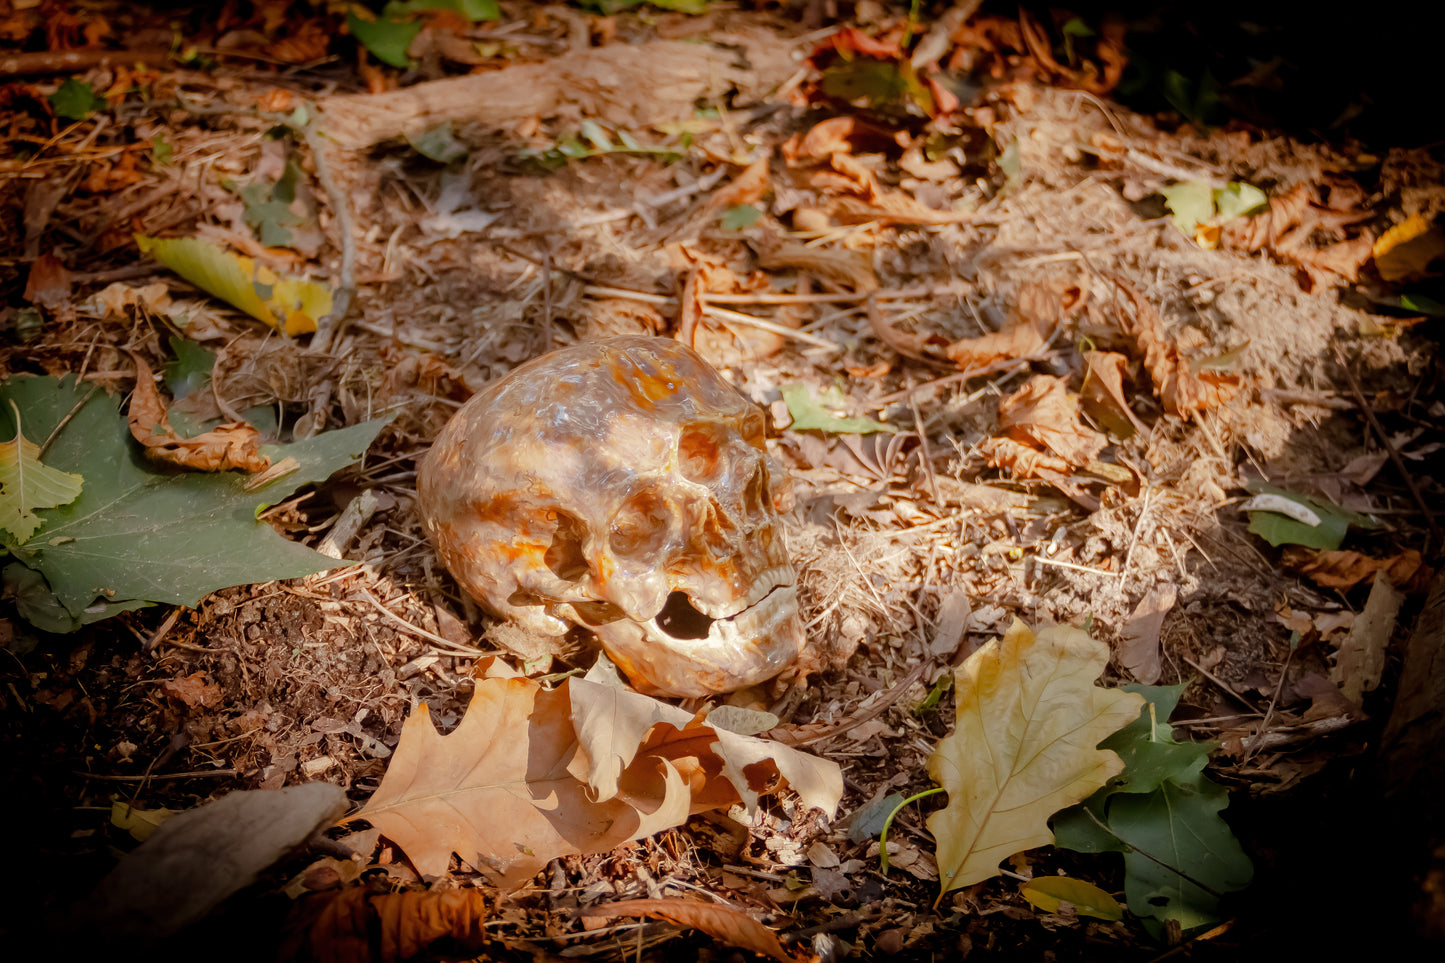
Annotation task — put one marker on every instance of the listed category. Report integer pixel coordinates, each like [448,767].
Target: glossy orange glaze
[611,476]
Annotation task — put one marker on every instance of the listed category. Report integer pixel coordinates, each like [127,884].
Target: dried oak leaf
[723,923]
[355,925]
[1026,745]
[616,726]
[499,791]
[1180,389]
[235,445]
[1045,415]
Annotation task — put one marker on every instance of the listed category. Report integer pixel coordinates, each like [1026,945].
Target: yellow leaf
[1408,248]
[140,823]
[1049,893]
[1029,723]
[288,304]
[27,484]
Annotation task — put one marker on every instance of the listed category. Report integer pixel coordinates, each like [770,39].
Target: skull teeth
[763,586]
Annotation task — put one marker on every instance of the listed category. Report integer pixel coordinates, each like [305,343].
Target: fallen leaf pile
[1029,721]
[534,773]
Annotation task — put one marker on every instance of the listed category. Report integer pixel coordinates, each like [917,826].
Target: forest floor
[1079,338]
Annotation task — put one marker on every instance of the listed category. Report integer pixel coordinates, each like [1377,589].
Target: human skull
[621,486]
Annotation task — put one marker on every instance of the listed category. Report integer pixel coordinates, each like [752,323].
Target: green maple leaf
[139,533]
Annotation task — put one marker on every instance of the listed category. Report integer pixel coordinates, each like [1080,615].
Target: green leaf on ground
[75,100]
[386,39]
[1238,199]
[267,207]
[191,369]
[1162,813]
[1191,203]
[472,10]
[138,533]
[740,216]
[1288,518]
[27,484]
[808,413]
[438,144]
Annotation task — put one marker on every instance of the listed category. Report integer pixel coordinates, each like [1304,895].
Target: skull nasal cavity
[680,620]
[697,454]
[564,556]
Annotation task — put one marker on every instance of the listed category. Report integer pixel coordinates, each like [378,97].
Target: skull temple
[621,486]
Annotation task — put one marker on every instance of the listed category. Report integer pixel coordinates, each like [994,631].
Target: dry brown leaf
[1029,723]
[1023,461]
[616,726]
[235,445]
[1294,221]
[1103,392]
[1023,339]
[1360,659]
[498,791]
[195,690]
[852,269]
[356,925]
[1045,415]
[1343,569]
[723,923]
[1179,389]
[48,283]
[118,296]
[1139,638]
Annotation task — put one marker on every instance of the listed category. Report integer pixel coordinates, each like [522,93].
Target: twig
[146,777]
[444,643]
[927,454]
[1043,560]
[723,314]
[1256,742]
[1008,368]
[1384,440]
[895,693]
[1222,684]
[346,285]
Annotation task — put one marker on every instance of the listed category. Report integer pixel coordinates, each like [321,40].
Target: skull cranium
[621,486]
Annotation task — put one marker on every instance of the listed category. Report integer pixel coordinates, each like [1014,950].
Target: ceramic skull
[621,486]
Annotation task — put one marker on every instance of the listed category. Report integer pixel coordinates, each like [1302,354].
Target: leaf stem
[1148,855]
[883,835]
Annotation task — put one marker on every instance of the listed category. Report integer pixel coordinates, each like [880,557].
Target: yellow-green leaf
[1049,893]
[140,823]
[26,484]
[286,303]
[1026,745]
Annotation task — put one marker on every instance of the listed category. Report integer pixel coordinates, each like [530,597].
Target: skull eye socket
[641,525]
[699,454]
[564,556]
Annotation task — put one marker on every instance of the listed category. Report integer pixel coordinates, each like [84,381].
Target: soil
[1034,188]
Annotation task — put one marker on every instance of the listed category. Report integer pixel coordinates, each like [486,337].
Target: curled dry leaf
[356,925]
[1022,460]
[1295,219]
[1102,393]
[1342,569]
[234,445]
[531,774]
[1045,415]
[1180,389]
[1029,723]
[730,926]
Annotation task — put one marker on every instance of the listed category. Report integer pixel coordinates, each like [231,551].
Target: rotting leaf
[723,923]
[289,304]
[26,484]
[1051,893]
[136,534]
[1360,659]
[234,445]
[808,413]
[1029,720]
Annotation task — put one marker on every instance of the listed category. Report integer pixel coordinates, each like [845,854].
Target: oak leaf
[498,790]
[1029,723]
